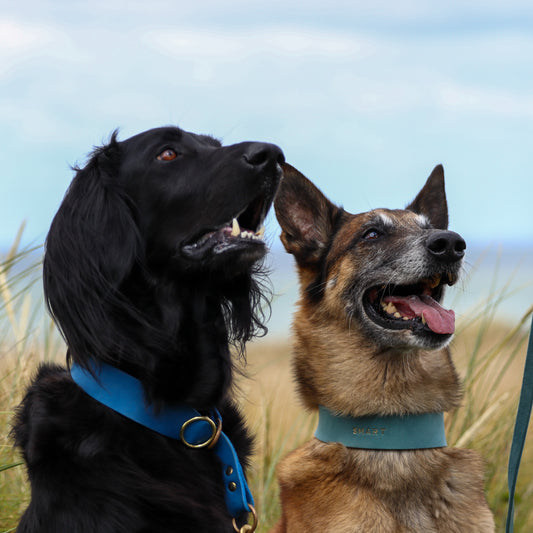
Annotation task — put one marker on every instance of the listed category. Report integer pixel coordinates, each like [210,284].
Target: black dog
[147,269]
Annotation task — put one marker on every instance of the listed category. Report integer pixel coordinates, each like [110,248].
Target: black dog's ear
[431,200]
[306,216]
[91,247]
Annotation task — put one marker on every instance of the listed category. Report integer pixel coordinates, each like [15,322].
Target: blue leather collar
[124,394]
[409,432]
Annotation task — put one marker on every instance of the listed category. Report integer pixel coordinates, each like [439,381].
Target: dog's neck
[124,394]
[173,323]
[335,368]
[405,432]
[157,323]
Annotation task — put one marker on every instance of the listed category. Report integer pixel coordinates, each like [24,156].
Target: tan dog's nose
[446,246]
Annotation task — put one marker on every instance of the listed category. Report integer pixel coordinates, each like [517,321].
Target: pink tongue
[438,319]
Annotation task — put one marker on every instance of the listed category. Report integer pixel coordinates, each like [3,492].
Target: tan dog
[370,340]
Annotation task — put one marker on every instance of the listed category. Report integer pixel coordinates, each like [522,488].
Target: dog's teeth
[397,315]
[235,229]
[423,320]
[389,308]
[260,232]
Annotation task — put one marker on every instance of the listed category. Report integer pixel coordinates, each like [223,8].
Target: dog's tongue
[438,319]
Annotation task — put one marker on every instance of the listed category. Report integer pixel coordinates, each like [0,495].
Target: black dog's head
[206,203]
[150,259]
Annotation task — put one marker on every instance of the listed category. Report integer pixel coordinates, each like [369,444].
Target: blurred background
[365,98]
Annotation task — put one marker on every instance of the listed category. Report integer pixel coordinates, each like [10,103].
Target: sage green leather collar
[408,432]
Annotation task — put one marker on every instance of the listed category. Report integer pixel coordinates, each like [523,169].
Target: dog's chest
[400,492]
[77,449]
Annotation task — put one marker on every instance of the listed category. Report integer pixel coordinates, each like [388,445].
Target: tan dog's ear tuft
[307,218]
[431,200]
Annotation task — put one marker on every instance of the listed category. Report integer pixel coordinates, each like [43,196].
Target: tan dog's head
[387,269]
[371,284]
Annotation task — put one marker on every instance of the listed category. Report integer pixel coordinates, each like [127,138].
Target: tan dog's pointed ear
[431,200]
[306,216]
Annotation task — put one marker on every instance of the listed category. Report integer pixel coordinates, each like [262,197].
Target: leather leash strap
[520,430]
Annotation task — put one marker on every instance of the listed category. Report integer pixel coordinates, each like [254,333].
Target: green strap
[520,430]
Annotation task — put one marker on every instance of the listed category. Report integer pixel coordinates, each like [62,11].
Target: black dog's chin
[222,250]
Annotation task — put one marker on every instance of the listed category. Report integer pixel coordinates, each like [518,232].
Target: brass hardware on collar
[247,528]
[210,441]
[217,434]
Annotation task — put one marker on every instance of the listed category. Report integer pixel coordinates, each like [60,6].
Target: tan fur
[326,486]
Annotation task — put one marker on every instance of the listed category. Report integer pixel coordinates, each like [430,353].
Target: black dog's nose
[263,154]
[447,246]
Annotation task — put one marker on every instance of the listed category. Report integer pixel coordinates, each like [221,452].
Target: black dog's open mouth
[244,230]
[414,306]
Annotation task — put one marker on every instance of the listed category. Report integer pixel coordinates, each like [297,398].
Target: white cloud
[469,99]
[236,45]
[21,37]
[422,91]
[21,42]
[366,73]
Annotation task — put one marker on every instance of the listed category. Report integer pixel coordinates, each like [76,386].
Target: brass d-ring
[216,436]
[205,444]
[247,528]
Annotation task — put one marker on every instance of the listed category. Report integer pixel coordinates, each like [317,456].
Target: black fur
[140,272]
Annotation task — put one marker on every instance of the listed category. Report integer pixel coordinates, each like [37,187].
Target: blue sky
[365,98]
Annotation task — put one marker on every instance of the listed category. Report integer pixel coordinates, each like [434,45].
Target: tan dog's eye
[167,155]
[371,235]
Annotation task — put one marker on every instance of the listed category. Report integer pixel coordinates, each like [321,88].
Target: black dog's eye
[167,155]
[371,234]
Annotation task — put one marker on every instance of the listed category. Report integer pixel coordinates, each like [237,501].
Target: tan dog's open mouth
[412,306]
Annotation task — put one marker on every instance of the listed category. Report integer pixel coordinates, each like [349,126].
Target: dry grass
[489,354]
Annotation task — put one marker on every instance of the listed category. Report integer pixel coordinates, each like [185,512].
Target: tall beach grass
[489,355]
